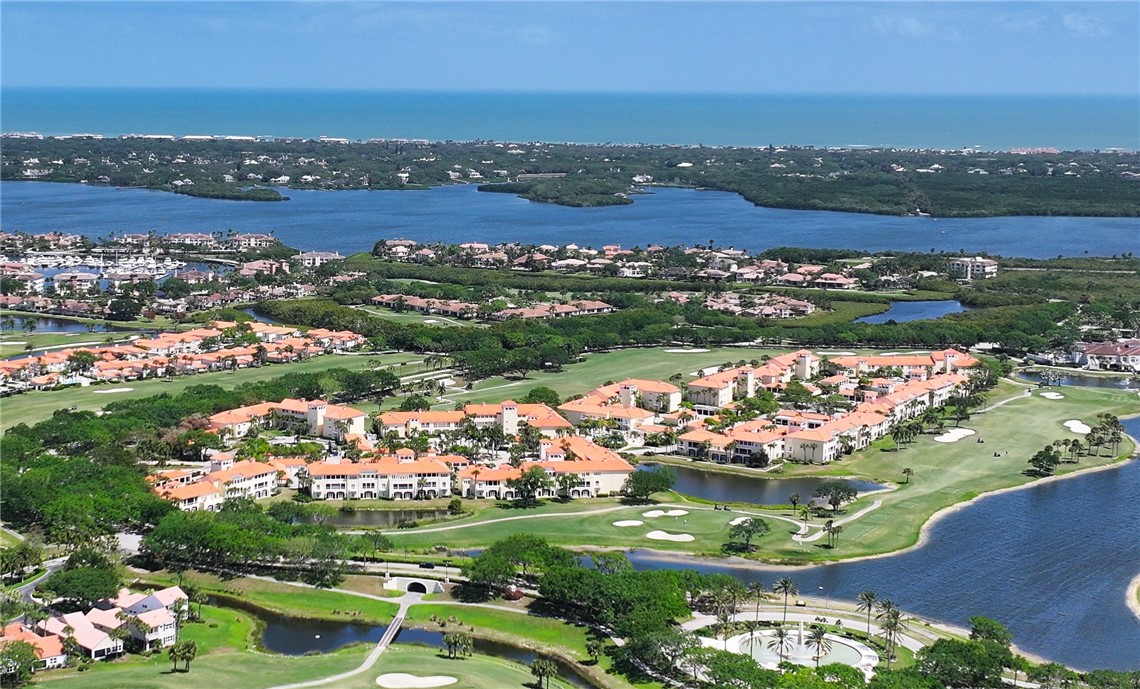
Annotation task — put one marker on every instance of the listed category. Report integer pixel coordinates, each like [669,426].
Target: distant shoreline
[852,121]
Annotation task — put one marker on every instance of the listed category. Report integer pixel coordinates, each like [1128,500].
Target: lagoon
[903,311]
[352,221]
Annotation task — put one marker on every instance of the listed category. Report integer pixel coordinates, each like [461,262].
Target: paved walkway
[799,537]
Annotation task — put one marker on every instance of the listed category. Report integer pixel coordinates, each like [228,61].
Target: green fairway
[414,317]
[288,600]
[709,528]
[31,407]
[944,474]
[233,669]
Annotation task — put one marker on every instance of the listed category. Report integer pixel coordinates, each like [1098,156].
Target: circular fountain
[764,647]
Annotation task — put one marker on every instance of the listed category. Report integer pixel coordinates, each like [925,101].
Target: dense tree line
[870,181]
[244,538]
[77,475]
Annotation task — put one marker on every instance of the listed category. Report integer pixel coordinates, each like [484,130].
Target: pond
[716,485]
[1052,377]
[259,318]
[14,326]
[295,636]
[903,311]
[384,517]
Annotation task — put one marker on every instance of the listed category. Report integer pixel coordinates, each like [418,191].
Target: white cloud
[1085,25]
[901,26]
[1021,24]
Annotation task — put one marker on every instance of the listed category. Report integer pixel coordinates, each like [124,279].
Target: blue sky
[750,47]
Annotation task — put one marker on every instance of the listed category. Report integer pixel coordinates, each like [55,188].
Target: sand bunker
[629,522]
[430,320]
[738,520]
[823,353]
[695,350]
[665,513]
[1052,395]
[666,536]
[953,435]
[110,391]
[13,343]
[402,680]
[1078,426]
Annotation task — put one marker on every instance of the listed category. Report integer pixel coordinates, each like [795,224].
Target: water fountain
[764,647]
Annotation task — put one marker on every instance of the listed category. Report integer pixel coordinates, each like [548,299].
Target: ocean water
[351,221]
[989,122]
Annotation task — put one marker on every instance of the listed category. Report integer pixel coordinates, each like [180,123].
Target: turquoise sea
[987,122]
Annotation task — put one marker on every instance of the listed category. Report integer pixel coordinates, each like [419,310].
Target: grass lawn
[653,363]
[564,640]
[289,600]
[31,407]
[475,672]
[239,669]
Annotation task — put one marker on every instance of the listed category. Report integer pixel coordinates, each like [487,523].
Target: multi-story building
[973,268]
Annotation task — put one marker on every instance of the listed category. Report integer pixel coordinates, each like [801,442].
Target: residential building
[973,268]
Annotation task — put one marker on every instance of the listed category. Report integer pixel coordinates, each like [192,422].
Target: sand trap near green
[629,522]
[1052,395]
[1077,426]
[403,680]
[695,350]
[664,513]
[666,536]
[111,391]
[953,435]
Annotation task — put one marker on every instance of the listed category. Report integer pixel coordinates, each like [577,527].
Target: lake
[1083,380]
[758,490]
[903,311]
[360,518]
[46,324]
[352,221]
[1051,561]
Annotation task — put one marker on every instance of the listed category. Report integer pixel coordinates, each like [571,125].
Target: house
[49,649]
[96,640]
[316,259]
[1109,356]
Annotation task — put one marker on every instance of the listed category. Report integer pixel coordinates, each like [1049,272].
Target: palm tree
[543,669]
[794,501]
[819,641]
[189,652]
[175,655]
[781,642]
[908,472]
[867,604]
[785,587]
[757,590]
